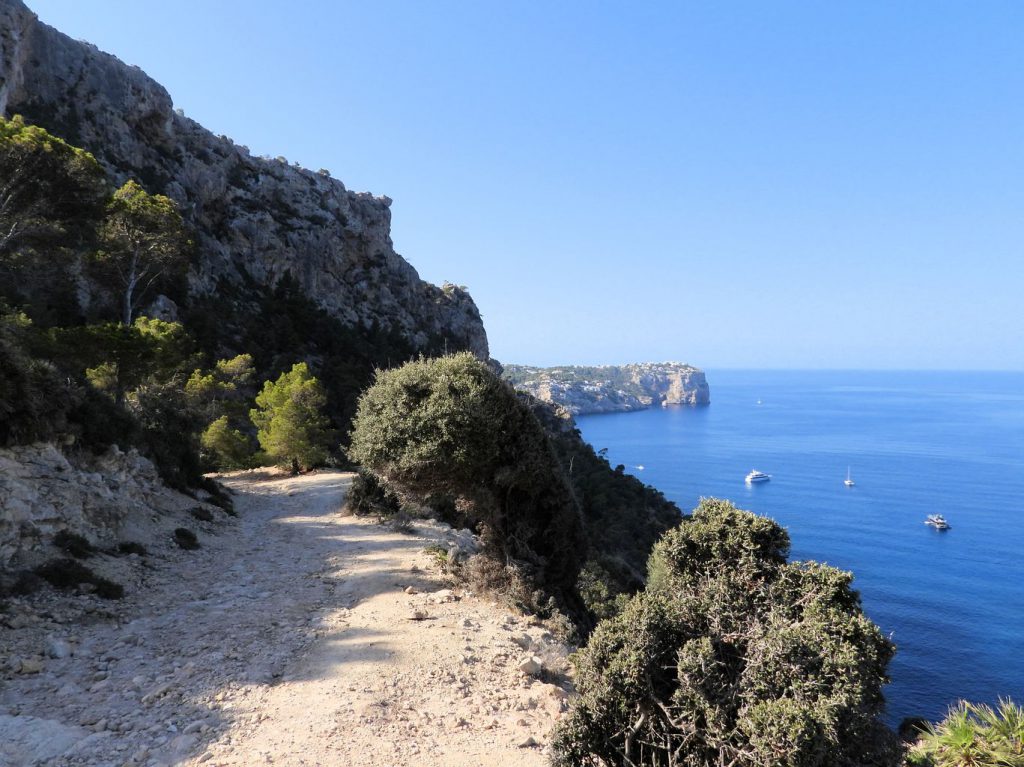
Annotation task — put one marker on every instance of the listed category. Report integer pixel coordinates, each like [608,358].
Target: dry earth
[297,635]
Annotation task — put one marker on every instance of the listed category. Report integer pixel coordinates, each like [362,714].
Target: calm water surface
[916,444]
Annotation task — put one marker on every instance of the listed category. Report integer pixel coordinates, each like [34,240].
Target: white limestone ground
[297,636]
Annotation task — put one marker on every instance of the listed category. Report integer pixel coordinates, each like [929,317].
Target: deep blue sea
[916,443]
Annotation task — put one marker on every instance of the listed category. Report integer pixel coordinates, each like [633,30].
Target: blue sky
[736,184]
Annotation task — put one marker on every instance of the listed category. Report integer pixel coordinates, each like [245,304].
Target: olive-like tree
[289,417]
[449,427]
[144,239]
[732,656]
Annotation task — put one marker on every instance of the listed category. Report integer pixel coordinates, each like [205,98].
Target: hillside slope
[257,220]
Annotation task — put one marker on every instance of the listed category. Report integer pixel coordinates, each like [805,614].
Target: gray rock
[31,740]
[57,648]
[531,666]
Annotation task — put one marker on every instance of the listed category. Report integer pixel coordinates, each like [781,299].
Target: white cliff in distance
[613,388]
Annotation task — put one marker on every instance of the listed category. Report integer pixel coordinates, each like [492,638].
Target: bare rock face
[257,219]
[610,388]
[42,493]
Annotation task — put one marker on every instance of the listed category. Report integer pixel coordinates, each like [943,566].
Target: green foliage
[623,516]
[50,191]
[292,429]
[281,326]
[117,359]
[169,431]
[227,448]
[449,427]
[144,241]
[222,397]
[35,400]
[368,497]
[973,735]
[732,655]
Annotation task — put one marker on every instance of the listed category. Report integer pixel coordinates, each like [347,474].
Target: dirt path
[289,638]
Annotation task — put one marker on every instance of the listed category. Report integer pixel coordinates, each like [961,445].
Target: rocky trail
[297,635]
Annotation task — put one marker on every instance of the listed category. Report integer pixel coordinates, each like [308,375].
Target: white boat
[848,481]
[937,521]
[757,476]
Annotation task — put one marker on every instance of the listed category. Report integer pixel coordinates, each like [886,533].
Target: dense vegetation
[449,428]
[80,258]
[973,735]
[732,655]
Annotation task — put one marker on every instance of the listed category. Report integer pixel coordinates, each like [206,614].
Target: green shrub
[201,514]
[66,574]
[74,544]
[186,539]
[449,427]
[732,655]
[368,497]
[219,495]
[623,517]
[131,547]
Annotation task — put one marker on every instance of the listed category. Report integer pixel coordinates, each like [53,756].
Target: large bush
[732,656]
[449,427]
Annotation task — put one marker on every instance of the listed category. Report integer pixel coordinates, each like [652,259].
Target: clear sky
[733,184]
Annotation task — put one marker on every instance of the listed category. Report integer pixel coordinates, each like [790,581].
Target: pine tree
[289,416]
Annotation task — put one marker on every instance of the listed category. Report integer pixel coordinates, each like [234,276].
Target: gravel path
[297,635]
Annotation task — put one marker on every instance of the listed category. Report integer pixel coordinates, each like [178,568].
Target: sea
[915,443]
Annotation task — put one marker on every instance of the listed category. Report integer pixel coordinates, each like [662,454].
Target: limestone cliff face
[611,388]
[256,219]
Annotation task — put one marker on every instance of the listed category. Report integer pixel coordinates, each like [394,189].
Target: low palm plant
[973,735]
[1005,726]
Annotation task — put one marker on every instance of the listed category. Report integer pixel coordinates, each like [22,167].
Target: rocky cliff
[257,219]
[610,388]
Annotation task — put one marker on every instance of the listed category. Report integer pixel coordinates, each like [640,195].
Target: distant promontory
[583,390]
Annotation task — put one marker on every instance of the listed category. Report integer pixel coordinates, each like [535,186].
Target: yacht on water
[937,521]
[848,481]
[757,476]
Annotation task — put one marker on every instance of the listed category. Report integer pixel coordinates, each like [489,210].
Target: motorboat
[757,476]
[848,481]
[937,521]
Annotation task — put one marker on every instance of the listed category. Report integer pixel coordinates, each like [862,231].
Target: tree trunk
[129,290]
[126,312]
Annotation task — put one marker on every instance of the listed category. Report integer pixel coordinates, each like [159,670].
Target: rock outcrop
[105,500]
[257,219]
[613,389]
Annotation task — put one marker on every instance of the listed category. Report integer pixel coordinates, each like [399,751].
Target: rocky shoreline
[585,390]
